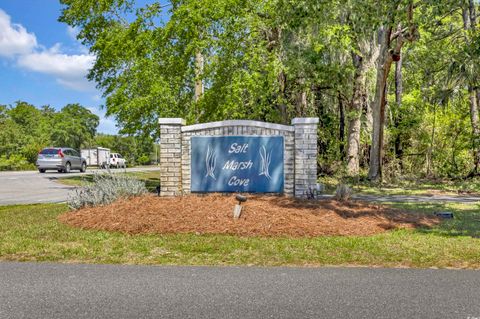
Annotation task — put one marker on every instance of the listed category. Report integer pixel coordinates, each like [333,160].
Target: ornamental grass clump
[343,192]
[105,189]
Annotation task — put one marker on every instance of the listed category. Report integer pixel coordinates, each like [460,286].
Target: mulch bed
[261,216]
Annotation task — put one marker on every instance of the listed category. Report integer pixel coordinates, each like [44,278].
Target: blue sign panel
[237,164]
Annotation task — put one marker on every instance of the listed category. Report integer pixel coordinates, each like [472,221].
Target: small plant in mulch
[106,188]
[343,192]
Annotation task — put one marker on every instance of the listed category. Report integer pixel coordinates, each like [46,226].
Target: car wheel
[41,170]
[83,168]
[68,167]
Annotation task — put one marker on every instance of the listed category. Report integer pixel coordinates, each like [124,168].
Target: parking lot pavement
[31,187]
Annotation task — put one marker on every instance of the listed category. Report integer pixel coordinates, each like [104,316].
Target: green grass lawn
[406,187]
[32,233]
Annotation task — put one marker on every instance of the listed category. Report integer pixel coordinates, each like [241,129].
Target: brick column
[171,156]
[305,154]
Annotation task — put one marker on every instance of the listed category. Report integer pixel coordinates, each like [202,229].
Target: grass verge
[406,187]
[151,179]
[33,233]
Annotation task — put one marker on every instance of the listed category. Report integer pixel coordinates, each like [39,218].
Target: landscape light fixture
[446,215]
[237,210]
[241,199]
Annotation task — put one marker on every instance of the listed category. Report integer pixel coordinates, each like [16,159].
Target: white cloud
[14,38]
[69,70]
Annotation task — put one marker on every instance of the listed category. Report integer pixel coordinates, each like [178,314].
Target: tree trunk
[469,23]
[478,97]
[474,98]
[383,68]
[282,107]
[341,127]
[384,63]
[354,116]
[432,143]
[198,76]
[473,14]
[302,101]
[475,127]
[398,115]
[368,129]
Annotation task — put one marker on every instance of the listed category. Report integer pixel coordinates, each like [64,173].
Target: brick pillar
[305,154]
[171,156]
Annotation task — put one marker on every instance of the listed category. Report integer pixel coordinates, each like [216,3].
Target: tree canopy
[395,83]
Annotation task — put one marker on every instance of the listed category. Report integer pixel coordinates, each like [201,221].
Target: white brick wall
[170,156]
[305,154]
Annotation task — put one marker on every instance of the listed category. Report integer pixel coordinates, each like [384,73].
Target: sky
[42,63]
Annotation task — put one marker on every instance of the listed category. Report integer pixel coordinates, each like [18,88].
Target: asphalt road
[31,187]
[29,290]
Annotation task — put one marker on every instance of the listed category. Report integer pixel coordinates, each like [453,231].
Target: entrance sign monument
[238,156]
[237,164]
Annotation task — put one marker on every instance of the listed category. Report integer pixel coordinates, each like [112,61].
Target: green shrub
[143,160]
[106,188]
[343,192]
[15,163]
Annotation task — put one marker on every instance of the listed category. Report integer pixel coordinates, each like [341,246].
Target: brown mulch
[261,216]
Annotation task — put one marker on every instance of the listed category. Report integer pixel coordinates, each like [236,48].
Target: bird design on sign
[265,162]
[210,163]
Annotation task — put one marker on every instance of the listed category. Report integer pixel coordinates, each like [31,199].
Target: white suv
[116,160]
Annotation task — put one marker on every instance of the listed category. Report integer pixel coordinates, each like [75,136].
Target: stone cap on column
[171,121]
[305,120]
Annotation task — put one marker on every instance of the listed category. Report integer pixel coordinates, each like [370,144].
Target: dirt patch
[261,216]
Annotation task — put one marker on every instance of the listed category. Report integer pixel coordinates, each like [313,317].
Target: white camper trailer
[99,156]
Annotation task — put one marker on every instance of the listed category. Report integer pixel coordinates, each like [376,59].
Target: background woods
[26,129]
[395,83]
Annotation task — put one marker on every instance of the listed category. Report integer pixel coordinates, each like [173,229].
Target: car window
[67,152]
[49,151]
[119,156]
[111,155]
[74,153]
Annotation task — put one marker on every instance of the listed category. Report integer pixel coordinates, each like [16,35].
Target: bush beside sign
[237,164]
